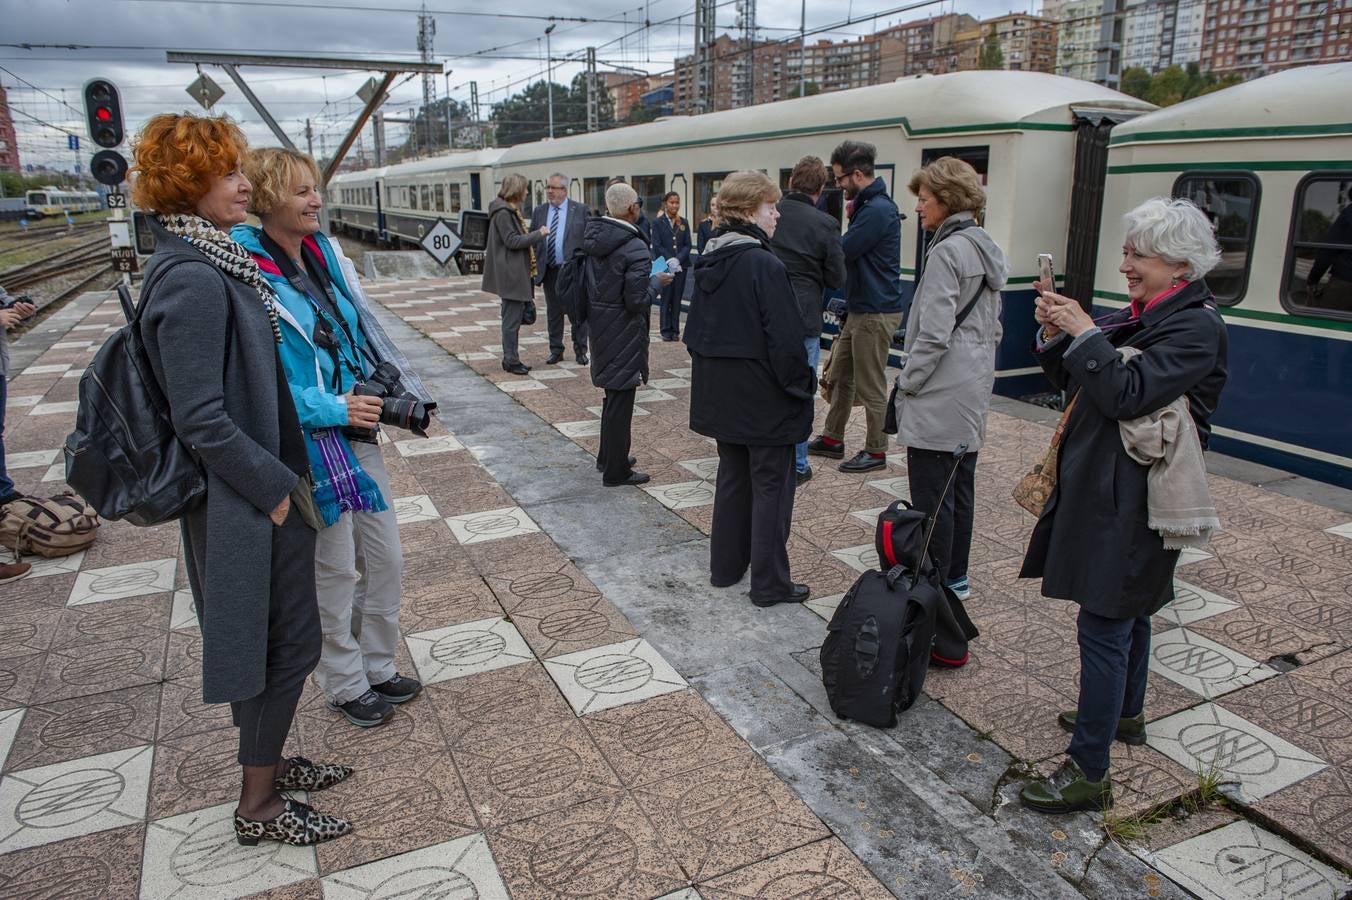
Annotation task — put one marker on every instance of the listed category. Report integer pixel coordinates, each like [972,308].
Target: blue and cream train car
[51,201]
[1270,161]
[1022,131]
[397,204]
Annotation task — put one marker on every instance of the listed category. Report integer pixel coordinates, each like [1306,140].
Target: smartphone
[1045,275]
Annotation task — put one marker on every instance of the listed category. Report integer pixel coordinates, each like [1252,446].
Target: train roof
[1309,100]
[463,159]
[925,104]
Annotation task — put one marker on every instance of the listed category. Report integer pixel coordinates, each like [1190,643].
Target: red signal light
[103,114]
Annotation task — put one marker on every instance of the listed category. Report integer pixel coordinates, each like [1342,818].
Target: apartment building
[1027,42]
[1255,37]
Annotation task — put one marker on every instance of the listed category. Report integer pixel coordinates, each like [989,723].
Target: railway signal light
[103,112]
[108,167]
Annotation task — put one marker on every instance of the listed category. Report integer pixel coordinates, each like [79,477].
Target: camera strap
[326,310]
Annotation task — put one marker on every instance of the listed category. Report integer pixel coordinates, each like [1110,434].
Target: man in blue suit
[671,239]
[566,220]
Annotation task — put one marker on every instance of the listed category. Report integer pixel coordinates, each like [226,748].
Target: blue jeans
[6,483]
[814,354]
[1114,661]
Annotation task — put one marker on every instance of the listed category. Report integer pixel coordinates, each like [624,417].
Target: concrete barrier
[378,264]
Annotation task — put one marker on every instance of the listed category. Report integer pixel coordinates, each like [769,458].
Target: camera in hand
[15,301]
[399,408]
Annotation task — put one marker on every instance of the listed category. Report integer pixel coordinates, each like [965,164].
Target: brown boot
[13,571]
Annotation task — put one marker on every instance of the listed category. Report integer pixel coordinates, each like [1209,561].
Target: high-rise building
[724,55]
[1088,39]
[1251,38]
[9,141]
[1157,35]
[923,47]
[1027,42]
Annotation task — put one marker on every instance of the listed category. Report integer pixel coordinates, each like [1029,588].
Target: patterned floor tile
[10,721]
[492,525]
[460,868]
[467,649]
[72,729]
[1189,555]
[609,676]
[724,817]
[1242,860]
[899,487]
[106,864]
[1210,738]
[415,509]
[706,469]
[516,387]
[73,798]
[639,412]
[194,770]
[184,613]
[652,395]
[552,374]
[683,495]
[861,557]
[444,443]
[129,580]
[195,856]
[32,458]
[478,706]
[603,848]
[823,869]
[662,737]
[552,629]
[1344,530]
[1192,603]
[1202,665]
[825,606]
[62,408]
[82,669]
[585,428]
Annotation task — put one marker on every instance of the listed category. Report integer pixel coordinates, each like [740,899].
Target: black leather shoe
[819,447]
[799,594]
[601,468]
[804,476]
[554,358]
[863,461]
[516,368]
[634,478]
[583,359]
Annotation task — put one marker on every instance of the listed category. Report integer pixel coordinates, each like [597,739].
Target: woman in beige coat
[510,264]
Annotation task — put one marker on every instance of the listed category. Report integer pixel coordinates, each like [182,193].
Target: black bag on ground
[899,539]
[883,636]
[124,456]
[570,286]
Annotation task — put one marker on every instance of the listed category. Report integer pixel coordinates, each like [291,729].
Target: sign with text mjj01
[441,242]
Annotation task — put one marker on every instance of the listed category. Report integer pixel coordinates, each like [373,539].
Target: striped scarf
[534,270]
[340,483]
[226,254]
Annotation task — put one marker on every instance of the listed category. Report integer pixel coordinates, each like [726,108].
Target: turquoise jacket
[309,369]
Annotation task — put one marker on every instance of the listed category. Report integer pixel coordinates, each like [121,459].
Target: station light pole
[549,83]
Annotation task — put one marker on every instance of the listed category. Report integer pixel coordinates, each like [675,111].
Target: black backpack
[124,456]
[884,634]
[571,286]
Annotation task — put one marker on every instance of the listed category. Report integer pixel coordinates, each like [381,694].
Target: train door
[1092,127]
[380,212]
[475,197]
[979,158]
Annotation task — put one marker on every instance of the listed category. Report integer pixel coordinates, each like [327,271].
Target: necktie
[554,237]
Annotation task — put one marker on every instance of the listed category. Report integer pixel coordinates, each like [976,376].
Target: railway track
[18,238]
[58,263]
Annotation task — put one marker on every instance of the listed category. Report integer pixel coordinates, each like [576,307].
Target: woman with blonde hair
[330,344]
[510,264]
[952,331]
[751,389]
[209,323]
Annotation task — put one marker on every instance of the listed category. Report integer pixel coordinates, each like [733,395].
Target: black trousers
[294,643]
[670,319]
[1114,663]
[753,508]
[617,414]
[927,472]
[554,315]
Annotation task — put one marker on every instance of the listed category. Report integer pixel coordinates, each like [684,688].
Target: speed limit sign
[441,242]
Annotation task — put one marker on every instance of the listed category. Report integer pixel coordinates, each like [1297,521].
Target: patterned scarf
[531,249]
[226,254]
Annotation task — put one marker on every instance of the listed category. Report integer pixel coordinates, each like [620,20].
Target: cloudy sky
[503,50]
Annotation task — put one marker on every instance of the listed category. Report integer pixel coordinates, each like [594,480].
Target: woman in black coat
[621,295]
[1093,545]
[209,323]
[751,389]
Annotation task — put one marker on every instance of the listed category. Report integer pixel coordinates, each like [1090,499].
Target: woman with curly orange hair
[209,323]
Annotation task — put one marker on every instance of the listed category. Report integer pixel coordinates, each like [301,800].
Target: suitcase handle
[959,452]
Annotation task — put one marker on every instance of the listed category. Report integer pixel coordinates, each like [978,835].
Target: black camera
[399,408]
[13,301]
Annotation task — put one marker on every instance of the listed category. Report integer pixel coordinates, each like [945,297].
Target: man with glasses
[567,221]
[873,309]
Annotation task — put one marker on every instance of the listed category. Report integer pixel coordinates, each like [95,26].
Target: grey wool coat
[507,259]
[214,356]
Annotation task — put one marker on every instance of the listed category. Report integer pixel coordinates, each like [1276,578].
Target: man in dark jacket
[872,247]
[671,240]
[567,221]
[619,300]
[807,241]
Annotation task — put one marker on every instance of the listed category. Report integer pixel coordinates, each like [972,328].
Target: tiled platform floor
[555,753]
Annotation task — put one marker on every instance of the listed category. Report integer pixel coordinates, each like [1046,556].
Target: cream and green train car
[1023,131]
[1270,161]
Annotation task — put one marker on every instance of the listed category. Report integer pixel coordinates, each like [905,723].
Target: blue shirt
[557,235]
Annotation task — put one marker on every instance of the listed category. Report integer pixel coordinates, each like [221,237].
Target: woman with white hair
[1097,542]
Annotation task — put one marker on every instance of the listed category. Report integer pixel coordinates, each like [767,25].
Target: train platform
[598,721]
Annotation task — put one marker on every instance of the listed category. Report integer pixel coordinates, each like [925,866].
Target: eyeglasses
[844,177]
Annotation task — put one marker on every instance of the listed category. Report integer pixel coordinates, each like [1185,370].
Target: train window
[439,197]
[978,156]
[594,195]
[454,205]
[412,191]
[425,192]
[1318,279]
[1230,201]
[650,189]
[707,184]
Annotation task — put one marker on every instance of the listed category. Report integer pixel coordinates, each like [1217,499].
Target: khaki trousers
[859,375]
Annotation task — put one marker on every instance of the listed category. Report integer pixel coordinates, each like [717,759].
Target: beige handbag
[1035,488]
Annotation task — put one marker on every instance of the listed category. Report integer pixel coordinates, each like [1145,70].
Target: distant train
[1270,160]
[52,201]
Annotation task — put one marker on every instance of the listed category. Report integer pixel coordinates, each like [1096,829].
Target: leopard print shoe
[297,824]
[303,775]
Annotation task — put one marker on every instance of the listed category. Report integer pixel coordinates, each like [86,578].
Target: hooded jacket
[750,381]
[807,241]
[945,384]
[872,246]
[619,301]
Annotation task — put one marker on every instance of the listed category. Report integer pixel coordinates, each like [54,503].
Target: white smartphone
[1045,275]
